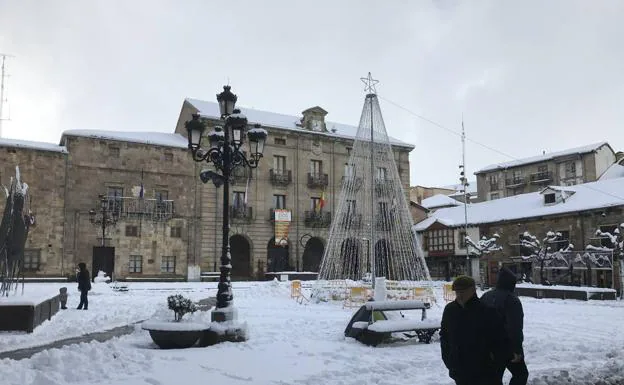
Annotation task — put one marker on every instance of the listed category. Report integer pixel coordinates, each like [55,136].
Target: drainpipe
[296,210]
[64,243]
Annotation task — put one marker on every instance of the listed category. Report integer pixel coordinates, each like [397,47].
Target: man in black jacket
[84,285]
[473,341]
[505,301]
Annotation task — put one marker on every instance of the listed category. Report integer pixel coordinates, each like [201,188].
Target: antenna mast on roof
[2,76]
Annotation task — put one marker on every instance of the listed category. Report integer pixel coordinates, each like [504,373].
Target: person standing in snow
[472,338]
[505,301]
[84,285]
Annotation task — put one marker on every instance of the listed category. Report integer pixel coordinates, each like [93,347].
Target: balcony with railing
[382,223]
[352,182]
[382,185]
[541,177]
[280,177]
[351,221]
[240,175]
[135,207]
[515,182]
[316,219]
[317,180]
[241,213]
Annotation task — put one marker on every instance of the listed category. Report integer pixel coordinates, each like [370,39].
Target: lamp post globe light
[225,153]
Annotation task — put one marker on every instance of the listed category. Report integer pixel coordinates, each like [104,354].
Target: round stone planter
[174,335]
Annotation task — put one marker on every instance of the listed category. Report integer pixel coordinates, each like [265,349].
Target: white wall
[604,159]
[473,233]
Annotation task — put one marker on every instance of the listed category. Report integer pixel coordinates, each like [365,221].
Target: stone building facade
[173,228]
[43,167]
[155,234]
[564,168]
[305,161]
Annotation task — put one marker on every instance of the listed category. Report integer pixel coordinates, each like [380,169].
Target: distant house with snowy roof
[575,211]
[564,168]
[439,201]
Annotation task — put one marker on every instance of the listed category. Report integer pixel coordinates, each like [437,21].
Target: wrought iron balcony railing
[280,177]
[135,207]
[354,182]
[240,175]
[351,221]
[241,213]
[316,219]
[513,182]
[383,223]
[541,177]
[317,180]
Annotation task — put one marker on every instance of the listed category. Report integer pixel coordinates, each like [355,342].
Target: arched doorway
[382,257]
[278,256]
[240,250]
[350,253]
[313,254]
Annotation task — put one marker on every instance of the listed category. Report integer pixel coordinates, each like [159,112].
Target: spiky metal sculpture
[13,233]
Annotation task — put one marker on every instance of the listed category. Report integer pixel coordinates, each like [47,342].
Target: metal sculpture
[14,226]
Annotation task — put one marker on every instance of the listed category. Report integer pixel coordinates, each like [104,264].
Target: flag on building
[321,202]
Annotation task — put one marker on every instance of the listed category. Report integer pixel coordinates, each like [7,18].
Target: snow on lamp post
[225,154]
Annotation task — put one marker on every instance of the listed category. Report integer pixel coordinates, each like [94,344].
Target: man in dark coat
[505,301]
[473,341]
[84,285]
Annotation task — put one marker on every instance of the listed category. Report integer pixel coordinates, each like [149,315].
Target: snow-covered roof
[588,196]
[614,171]
[543,158]
[472,188]
[41,146]
[145,137]
[438,200]
[289,122]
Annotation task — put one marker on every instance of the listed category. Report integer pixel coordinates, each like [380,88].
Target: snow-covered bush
[180,306]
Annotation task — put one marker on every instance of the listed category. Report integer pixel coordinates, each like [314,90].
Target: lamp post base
[224,328]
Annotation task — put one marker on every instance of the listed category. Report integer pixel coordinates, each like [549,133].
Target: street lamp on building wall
[104,217]
[226,154]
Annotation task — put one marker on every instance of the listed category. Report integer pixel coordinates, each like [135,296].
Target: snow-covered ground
[566,342]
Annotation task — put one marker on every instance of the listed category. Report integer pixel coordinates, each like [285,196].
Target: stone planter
[174,335]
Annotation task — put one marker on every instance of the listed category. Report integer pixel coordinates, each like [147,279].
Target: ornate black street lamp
[105,217]
[225,154]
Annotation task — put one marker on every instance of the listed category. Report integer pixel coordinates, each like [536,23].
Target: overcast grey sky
[527,75]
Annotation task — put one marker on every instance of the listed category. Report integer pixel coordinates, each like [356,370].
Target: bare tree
[485,245]
[542,252]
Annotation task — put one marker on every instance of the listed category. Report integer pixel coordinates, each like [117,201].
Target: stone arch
[278,256]
[350,253]
[240,250]
[382,258]
[313,254]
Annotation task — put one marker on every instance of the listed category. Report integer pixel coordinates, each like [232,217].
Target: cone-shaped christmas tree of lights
[371,233]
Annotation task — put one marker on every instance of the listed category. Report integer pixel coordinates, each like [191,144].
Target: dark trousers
[519,373]
[84,300]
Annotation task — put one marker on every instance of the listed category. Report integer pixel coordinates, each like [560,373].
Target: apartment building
[564,168]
